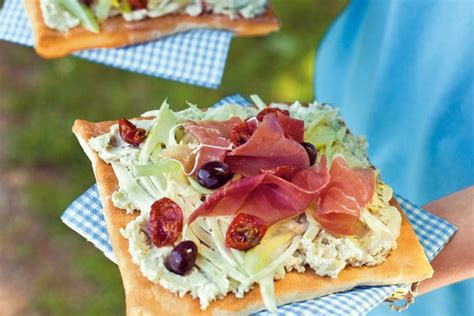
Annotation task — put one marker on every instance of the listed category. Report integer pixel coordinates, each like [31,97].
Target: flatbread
[406,264]
[117,32]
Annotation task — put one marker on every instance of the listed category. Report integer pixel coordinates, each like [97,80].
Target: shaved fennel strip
[165,120]
[134,191]
[202,234]
[172,135]
[258,102]
[373,222]
[312,229]
[160,186]
[148,186]
[213,274]
[238,255]
[267,291]
[219,242]
[214,258]
[270,270]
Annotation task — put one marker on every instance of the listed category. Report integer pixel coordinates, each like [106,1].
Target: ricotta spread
[56,17]
[219,270]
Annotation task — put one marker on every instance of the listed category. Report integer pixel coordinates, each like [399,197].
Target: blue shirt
[402,72]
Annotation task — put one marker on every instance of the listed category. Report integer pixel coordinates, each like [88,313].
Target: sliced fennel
[313,226]
[130,186]
[341,133]
[319,117]
[382,195]
[201,233]
[214,274]
[219,241]
[215,258]
[321,136]
[277,263]
[258,102]
[267,291]
[102,9]
[238,255]
[373,222]
[158,168]
[260,256]
[82,12]
[265,276]
[150,188]
[159,132]
[172,136]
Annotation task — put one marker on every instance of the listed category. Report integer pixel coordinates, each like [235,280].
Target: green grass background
[39,101]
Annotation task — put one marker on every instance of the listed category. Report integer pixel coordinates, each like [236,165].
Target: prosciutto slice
[267,196]
[293,128]
[209,131]
[347,193]
[267,149]
[213,137]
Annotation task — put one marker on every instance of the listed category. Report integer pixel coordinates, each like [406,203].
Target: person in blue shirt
[402,72]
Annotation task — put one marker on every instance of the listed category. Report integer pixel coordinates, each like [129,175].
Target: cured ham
[293,128]
[347,193]
[208,131]
[339,194]
[267,149]
[266,196]
[213,137]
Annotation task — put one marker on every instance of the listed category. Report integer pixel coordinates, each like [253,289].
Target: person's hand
[456,261]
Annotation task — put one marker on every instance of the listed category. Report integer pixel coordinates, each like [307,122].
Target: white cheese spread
[55,17]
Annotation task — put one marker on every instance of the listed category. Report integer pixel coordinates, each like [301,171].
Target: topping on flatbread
[166,222]
[61,27]
[245,232]
[130,133]
[218,216]
[347,193]
[266,196]
[268,148]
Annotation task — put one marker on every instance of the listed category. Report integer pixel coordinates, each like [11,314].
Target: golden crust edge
[406,264]
[116,32]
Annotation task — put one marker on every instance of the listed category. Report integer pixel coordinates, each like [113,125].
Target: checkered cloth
[196,57]
[85,216]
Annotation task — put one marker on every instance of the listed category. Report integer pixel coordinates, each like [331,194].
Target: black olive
[182,257]
[311,150]
[214,174]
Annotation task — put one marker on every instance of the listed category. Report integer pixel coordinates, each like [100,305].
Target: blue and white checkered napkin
[196,57]
[85,216]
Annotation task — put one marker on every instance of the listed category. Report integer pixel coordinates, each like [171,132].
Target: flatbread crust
[117,32]
[406,264]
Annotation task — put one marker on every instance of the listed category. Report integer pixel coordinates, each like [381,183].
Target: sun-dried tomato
[241,133]
[204,6]
[130,133]
[166,222]
[269,110]
[245,232]
[138,4]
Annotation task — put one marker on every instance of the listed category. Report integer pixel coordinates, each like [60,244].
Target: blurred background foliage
[46,268]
